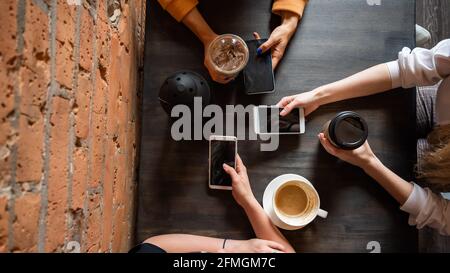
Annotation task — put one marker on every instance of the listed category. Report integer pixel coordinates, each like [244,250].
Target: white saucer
[268,198]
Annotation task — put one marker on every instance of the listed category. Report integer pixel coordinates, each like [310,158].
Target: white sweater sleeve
[421,67]
[425,208]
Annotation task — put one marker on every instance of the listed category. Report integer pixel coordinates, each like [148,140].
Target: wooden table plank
[434,16]
[335,39]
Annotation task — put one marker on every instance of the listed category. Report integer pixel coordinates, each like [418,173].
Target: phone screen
[270,120]
[258,74]
[222,151]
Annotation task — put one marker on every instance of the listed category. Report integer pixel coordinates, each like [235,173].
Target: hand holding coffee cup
[345,136]
[360,157]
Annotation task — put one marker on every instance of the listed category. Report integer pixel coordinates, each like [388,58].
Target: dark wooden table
[334,40]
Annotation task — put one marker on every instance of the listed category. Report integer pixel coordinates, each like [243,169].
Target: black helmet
[181,88]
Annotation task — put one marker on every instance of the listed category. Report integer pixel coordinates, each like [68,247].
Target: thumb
[288,108]
[266,45]
[327,145]
[230,171]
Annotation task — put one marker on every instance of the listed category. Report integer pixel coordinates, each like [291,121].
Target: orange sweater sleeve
[178,8]
[295,6]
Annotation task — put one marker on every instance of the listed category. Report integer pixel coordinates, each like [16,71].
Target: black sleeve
[146,248]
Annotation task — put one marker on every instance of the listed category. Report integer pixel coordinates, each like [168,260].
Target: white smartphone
[267,120]
[222,149]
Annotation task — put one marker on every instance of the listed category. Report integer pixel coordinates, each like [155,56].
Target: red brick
[6,132]
[65,35]
[114,88]
[25,229]
[64,64]
[100,94]
[103,47]
[6,97]
[108,182]
[115,81]
[57,181]
[120,230]
[127,78]
[82,99]
[8,33]
[36,35]
[120,180]
[86,43]
[97,131]
[66,16]
[129,204]
[93,224]
[97,152]
[34,79]
[79,179]
[122,122]
[33,88]
[6,105]
[29,150]
[131,145]
[5,162]
[4,215]
[7,60]
[102,12]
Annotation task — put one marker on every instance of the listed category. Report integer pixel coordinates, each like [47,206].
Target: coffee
[228,55]
[347,130]
[291,200]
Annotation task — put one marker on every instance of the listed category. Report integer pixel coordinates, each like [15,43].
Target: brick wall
[69,80]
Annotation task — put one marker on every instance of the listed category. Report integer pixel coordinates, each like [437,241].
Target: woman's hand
[280,37]
[361,156]
[242,192]
[308,100]
[252,246]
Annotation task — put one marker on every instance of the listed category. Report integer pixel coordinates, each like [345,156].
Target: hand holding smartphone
[258,74]
[267,120]
[222,149]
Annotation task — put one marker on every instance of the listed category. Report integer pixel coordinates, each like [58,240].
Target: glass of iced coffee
[227,55]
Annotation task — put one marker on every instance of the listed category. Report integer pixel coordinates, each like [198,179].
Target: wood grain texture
[434,15]
[335,39]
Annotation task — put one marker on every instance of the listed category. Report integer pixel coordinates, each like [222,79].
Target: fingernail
[259,51]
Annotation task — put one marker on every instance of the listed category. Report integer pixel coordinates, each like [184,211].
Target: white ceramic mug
[312,208]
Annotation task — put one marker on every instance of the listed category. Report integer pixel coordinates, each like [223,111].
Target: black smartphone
[258,74]
[222,149]
[267,120]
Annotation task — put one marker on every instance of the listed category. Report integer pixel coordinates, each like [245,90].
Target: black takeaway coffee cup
[347,130]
